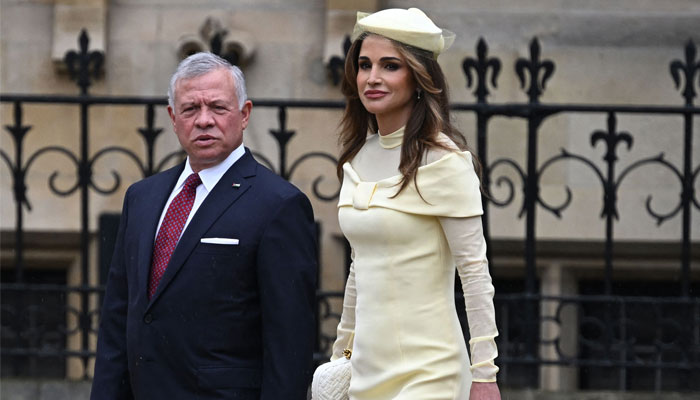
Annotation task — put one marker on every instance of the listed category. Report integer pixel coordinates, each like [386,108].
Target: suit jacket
[227,321]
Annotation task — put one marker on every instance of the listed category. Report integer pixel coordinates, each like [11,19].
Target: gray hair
[202,63]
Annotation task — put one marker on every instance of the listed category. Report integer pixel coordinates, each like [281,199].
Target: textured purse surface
[331,380]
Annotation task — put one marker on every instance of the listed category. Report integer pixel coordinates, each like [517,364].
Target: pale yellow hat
[411,27]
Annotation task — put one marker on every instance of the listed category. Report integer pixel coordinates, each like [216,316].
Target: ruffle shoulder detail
[449,188]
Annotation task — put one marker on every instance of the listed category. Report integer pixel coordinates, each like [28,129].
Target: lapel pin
[236,185]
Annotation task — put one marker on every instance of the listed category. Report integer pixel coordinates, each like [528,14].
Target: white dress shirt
[210,177]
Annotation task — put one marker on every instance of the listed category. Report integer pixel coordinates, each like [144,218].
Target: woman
[410,207]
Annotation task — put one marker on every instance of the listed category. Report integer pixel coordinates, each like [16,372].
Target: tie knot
[192,182]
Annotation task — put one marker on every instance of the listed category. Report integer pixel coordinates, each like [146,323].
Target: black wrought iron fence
[616,334]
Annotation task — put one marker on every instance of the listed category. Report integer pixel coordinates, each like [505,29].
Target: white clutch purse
[332,380]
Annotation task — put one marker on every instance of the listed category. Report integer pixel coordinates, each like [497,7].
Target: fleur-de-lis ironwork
[282,135]
[149,134]
[18,132]
[689,69]
[534,66]
[84,64]
[481,66]
[336,65]
[612,139]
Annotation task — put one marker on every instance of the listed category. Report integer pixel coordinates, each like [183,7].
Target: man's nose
[204,118]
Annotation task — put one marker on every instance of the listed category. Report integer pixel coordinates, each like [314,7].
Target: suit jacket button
[148,318]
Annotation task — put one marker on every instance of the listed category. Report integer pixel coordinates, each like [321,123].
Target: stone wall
[605,52]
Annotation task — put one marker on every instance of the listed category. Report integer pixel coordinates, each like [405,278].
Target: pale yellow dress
[399,297]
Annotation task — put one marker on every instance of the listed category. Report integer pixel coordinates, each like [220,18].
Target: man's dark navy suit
[227,321]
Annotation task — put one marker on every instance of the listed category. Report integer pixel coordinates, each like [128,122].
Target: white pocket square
[220,241]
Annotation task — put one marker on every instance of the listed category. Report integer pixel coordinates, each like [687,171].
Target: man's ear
[247,108]
[172,114]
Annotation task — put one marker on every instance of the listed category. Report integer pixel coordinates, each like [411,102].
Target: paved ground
[12,389]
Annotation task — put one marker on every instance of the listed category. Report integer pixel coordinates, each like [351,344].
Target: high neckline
[392,140]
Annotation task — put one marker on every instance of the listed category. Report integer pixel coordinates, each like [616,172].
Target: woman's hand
[484,391]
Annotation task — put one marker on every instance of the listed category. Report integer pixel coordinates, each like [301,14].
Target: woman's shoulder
[448,146]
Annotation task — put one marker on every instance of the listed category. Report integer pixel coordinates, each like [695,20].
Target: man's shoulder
[275,185]
[163,177]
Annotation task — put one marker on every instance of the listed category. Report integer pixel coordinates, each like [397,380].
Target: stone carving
[236,46]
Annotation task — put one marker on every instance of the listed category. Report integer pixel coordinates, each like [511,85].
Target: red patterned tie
[170,230]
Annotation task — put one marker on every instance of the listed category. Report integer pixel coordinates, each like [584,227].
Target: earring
[418,97]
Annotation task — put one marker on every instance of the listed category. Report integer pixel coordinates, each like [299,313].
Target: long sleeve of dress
[466,240]
[347,320]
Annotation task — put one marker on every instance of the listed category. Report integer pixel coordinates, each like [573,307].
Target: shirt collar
[211,176]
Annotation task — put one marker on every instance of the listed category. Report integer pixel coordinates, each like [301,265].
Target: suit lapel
[221,197]
[154,202]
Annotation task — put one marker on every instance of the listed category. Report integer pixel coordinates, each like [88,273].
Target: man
[211,290]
